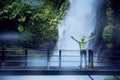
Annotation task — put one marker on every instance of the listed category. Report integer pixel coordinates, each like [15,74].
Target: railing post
[59,58]
[48,59]
[26,56]
[3,57]
[90,59]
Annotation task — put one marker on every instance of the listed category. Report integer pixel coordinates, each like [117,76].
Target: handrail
[47,54]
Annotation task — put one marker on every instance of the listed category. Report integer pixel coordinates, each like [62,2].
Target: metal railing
[9,58]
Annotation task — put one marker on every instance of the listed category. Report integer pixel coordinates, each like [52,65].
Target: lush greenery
[108,30]
[112,30]
[37,21]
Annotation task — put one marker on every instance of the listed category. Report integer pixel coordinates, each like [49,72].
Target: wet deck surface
[59,71]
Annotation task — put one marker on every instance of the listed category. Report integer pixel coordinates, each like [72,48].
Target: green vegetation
[38,23]
[110,78]
[108,30]
[111,31]
[108,35]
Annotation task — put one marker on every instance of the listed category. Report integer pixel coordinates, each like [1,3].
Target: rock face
[112,54]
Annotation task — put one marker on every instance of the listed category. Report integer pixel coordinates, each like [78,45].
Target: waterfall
[79,21]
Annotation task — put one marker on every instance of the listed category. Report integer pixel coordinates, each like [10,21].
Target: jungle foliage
[112,29]
[108,30]
[36,19]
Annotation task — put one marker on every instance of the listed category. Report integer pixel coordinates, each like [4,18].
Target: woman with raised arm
[82,45]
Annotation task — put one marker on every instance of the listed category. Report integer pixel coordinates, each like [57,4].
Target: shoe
[80,66]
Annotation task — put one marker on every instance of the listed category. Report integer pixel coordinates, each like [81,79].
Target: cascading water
[80,21]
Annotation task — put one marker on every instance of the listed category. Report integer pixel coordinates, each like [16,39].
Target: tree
[38,23]
[108,30]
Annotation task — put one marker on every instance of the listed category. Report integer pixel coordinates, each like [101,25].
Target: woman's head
[83,38]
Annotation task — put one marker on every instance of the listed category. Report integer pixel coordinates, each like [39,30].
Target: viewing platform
[12,63]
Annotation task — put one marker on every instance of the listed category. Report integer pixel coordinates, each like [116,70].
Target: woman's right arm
[74,39]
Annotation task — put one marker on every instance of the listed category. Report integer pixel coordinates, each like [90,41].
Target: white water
[80,21]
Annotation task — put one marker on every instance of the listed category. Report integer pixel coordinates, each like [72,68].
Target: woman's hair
[83,38]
